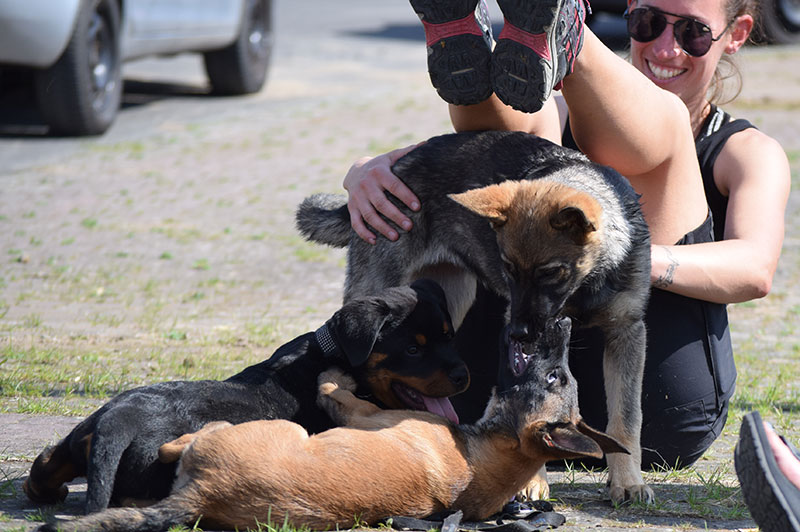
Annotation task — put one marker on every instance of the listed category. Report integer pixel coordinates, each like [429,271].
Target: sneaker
[459,39]
[536,49]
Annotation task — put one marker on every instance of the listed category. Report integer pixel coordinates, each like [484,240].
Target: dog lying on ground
[381,463]
[398,346]
[538,224]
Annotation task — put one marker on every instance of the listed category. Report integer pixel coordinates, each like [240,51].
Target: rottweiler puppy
[398,346]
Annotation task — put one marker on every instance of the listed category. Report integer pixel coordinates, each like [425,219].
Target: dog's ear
[357,325]
[563,440]
[606,442]
[427,288]
[578,216]
[492,202]
[568,439]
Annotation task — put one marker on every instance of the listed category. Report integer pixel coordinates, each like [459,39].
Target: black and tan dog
[381,463]
[398,346]
[536,223]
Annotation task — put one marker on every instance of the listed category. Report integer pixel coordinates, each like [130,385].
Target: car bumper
[35,32]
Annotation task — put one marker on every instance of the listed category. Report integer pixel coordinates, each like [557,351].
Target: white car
[77,48]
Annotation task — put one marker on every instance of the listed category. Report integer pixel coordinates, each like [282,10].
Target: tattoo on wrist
[665,280]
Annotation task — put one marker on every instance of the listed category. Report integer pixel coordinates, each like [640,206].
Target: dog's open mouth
[441,406]
[517,358]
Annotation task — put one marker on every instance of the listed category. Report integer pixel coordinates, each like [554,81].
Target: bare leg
[787,462]
[621,119]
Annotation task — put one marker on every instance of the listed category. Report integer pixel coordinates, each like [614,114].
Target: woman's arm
[753,171]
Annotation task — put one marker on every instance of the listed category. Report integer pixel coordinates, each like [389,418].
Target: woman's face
[669,67]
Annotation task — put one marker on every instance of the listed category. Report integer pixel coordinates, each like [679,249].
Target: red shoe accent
[436,32]
[537,43]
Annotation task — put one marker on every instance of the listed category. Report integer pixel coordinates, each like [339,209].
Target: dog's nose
[459,376]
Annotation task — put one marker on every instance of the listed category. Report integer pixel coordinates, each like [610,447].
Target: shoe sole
[521,77]
[459,65]
[762,482]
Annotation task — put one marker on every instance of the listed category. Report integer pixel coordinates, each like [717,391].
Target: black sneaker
[459,39]
[536,49]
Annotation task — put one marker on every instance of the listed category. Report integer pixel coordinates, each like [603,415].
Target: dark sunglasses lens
[644,25]
[694,37]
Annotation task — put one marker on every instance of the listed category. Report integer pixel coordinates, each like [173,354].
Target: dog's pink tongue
[441,406]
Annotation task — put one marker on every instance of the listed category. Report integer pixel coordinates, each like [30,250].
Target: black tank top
[716,130]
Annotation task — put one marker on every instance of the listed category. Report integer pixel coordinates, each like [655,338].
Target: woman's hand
[367,182]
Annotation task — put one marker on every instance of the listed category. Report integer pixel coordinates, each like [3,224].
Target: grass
[179,259]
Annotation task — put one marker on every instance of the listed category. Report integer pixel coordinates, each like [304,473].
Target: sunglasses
[645,24]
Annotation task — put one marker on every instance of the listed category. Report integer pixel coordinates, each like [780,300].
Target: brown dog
[382,463]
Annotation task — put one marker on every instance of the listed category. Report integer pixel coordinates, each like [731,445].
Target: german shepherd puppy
[536,223]
[381,463]
[398,346]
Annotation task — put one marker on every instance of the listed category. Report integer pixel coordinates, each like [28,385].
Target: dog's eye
[552,377]
[413,351]
[551,274]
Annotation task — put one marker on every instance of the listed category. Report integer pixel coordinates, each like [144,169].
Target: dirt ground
[175,255]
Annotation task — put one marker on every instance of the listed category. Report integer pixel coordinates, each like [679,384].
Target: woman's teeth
[664,73]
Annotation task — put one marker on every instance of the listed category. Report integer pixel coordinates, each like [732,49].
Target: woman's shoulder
[751,154]
[752,143]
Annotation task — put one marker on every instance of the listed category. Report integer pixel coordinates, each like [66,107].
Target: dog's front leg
[623,370]
[337,399]
[537,489]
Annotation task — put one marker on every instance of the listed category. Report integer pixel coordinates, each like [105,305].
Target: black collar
[326,342]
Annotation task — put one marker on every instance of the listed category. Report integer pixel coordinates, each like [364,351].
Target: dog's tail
[324,218]
[177,509]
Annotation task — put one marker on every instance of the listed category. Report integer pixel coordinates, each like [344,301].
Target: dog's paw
[333,379]
[638,493]
[171,451]
[537,489]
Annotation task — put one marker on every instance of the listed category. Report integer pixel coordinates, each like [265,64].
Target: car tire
[780,21]
[241,68]
[81,92]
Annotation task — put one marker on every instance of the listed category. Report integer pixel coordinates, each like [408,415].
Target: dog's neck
[498,467]
[499,470]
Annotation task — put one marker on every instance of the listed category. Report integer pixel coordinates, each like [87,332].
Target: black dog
[397,345]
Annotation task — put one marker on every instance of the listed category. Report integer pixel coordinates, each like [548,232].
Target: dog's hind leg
[623,368]
[51,470]
[337,399]
[114,433]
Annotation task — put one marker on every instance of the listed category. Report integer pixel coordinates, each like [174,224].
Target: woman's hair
[727,67]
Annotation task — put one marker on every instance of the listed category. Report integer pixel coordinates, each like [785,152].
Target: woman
[619,116]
